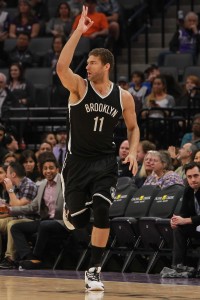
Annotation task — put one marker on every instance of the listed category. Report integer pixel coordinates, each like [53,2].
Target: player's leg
[99,238]
[105,183]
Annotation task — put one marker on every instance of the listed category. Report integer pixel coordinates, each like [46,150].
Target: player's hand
[85,22]
[133,165]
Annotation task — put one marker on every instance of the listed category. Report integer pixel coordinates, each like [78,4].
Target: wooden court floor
[22,287]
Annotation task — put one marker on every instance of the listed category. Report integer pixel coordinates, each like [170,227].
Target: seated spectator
[59,94]
[59,150]
[7,99]
[10,143]
[29,161]
[42,157]
[185,155]
[61,25]
[21,53]
[138,90]
[197,156]
[185,40]
[49,204]
[162,174]
[22,89]
[4,26]
[145,170]
[98,32]
[191,95]
[111,9]
[25,21]
[154,111]
[51,57]
[3,193]
[174,88]
[76,6]
[186,224]
[144,147]
[49,137]
[158,98]
[40,10]
[8,158]
[21,191]
[150,73]
[45,146]
[2,133]
[3,150]
[123,169]
[122,81]
[194,135]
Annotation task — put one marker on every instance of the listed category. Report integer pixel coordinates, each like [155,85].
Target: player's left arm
[133,132]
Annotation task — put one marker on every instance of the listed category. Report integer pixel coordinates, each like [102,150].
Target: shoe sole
[94,290]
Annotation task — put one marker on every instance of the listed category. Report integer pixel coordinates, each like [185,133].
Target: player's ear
[107,66]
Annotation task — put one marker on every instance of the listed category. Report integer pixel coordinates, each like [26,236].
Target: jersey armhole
[86,90]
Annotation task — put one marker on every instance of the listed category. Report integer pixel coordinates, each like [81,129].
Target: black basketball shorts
[83,179]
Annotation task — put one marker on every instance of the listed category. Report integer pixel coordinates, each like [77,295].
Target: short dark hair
[147,145]
[139,74]
[24,33]
[26,154]
[46,156]
[4,167]
[191,165]
[105,55]
[18,169]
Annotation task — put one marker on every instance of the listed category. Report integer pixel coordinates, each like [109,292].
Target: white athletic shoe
[92,280]
[66,221]
[94,295]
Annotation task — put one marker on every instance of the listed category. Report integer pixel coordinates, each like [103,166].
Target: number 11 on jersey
[98,124]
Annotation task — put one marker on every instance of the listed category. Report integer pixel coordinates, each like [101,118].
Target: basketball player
[90,169]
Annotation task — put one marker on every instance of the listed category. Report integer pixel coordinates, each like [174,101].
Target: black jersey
[92,122]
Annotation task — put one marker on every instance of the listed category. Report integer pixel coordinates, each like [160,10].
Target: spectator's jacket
[188,205]
[185,41]
[37,206]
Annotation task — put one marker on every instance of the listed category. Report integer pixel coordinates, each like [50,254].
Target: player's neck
[102,88]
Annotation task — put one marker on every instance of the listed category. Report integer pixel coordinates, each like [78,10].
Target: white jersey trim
[86,90]
[101,96]
[120,98]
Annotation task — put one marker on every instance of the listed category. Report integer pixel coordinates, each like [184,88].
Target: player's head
[104,55]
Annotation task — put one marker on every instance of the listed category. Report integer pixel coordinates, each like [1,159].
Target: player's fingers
[134,169]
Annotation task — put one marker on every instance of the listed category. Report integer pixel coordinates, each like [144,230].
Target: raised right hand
[85,22]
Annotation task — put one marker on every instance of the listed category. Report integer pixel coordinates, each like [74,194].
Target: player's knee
[101,213]
[81,221]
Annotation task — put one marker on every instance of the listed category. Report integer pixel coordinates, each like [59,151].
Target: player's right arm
[73,82]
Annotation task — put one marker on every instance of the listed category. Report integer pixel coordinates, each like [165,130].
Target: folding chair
[125,230]
[180,61]
[125,190]
[40,46]
[163,206]
[191,70]
[169,70]
[42,80]
[9,44]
